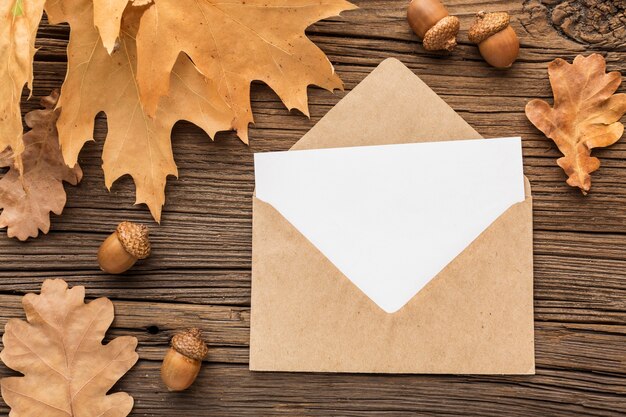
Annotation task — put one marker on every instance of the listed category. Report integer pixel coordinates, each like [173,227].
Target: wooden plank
[584,345]
[562,281]
[227,390]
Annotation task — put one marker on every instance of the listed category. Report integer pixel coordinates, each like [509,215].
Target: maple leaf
[28,198]
[19,21]
[234,43]
[96,81]
[67,370]
[585,115]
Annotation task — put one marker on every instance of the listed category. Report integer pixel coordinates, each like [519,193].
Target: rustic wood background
[199,274]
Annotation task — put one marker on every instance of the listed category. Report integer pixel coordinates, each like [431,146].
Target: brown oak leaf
[136,144]
[67,370]
[19,20]
[27,200]
[585,114]
[234,43]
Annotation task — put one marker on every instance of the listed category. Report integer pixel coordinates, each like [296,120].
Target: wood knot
[595,22]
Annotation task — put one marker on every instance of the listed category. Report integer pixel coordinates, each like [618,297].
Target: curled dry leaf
[19,20]
[67,370]
[26,200]
[585,114]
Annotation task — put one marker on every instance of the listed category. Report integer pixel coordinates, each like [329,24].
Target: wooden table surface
[199,273]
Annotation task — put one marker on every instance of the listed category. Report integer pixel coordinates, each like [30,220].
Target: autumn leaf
[96,81]
[234,43]
[67,370]
[19,21]
[108,18]
[27,200]
[585,114]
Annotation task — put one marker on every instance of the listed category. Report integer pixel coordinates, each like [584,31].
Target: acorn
[124,247]
[430,20]
[183,360]
[497,41]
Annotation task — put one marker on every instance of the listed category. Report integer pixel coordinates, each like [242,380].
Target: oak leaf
[585,114]
[234,43]
[28,198]
[136,144]
[107,16]
[19,20]
[67,370]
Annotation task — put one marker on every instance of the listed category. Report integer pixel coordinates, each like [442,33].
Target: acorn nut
[124,247]
[183,360]
[497,41]
[430,21]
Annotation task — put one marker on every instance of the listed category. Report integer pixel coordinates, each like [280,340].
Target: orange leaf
[585,115]
[107,16]
[136,144]
[27,200]
[147,84]
[234,43]
[67,370]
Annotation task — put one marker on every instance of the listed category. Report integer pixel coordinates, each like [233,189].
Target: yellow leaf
[136,144]
[585,114]
[18,28]
[234,43]
[67,370]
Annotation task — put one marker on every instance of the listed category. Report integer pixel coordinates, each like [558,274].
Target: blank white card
[391,217]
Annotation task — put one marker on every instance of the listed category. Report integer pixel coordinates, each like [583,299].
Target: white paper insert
[391,217]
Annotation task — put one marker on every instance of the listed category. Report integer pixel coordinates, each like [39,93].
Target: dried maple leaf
[234,43]
[19,21]
[96,81]
[67,370]
[27,200]
[585,115]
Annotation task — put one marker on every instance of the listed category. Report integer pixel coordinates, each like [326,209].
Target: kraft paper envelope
[475,316]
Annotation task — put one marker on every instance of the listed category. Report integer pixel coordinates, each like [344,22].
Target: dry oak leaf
[107,16]
[585,114]
[233,43]
[67,370]
[26,200]
[19,20]
[96,81]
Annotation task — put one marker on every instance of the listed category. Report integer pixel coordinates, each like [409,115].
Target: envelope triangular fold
[474,317]
[390,218]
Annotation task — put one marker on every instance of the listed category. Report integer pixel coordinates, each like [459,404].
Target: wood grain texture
[199,273]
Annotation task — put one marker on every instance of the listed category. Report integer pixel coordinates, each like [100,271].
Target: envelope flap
[391,105]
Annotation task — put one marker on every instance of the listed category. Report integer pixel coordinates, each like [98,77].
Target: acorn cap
[190,344]
[134,239]
[442,35]
[488,24]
